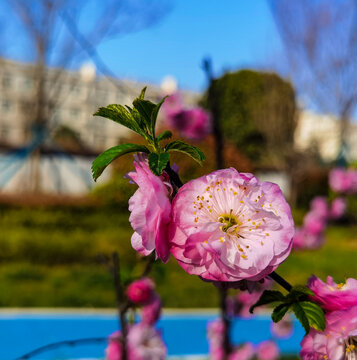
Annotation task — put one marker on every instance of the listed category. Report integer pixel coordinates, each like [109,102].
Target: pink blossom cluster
[266,350]
[339,340]
[192,123]
[225,226]
[343,181]
[144,342]
[311,234]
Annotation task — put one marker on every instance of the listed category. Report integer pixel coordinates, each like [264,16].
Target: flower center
[351,349]
[228,220]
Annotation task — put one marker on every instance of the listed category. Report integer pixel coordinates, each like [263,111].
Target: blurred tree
[320,39]
[57,33]
[257,112]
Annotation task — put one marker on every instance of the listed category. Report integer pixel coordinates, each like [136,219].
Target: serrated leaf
[279,312]
[315,315]
[192,151]
[167,134]
[154,114]
[120,115]
[106,157]
[301,316]
[268,297]
[145,109]
[158,162]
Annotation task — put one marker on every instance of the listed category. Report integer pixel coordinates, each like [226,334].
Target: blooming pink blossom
[306,240]
[151,312]
[337,342]
[267,350]
[244,352]
[215,333]
[319,206]
[114,348]
[313,223]
[343,180]
[229,226]
[313,346]
[341,334]
[141,291]
[332,296]
[338,208]
[191,123]
[145,343]
[282,329]
[150,211]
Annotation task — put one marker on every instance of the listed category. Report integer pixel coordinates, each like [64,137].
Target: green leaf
[301,316]
[158,162]
[279,312]
[167,134]
[314,314]
[302,289]
[145,109]
[120,115]
[310,315]
[154,114]
[106,157]
[142,94]
[192,151]
[268,296]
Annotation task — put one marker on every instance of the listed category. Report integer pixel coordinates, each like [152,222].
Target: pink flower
[332,296]
[244,352]
[283,329]
[319,206]
[338,208]
[229,226]
[337,342]
[145,343]
[313,223]
[215,335]
[141,291]
[343,180]
[267,350]
[313,346]
[150,211]
[305,240]
[114,348]
[191,123]
[151,312]
[341,334]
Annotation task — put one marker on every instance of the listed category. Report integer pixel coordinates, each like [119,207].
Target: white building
[323,132]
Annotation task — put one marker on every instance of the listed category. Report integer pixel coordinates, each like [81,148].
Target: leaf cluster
[141,119]
[306,311]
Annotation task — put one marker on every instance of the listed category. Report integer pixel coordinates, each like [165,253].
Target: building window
[27,83]
[6,80]
[6,105]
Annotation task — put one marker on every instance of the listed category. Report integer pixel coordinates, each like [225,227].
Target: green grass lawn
[49,258]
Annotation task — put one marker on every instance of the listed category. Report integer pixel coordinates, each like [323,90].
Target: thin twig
[282,282]
[59,344]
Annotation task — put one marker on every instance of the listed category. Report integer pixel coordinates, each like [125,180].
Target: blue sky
[234,33]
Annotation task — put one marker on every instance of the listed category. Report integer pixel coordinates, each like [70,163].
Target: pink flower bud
[141,291]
